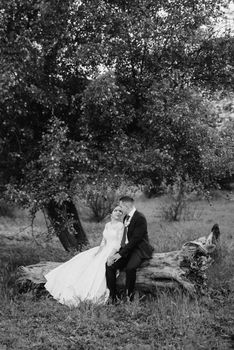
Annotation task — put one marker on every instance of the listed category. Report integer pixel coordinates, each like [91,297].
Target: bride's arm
[119,234]
[119,239]
[103,242]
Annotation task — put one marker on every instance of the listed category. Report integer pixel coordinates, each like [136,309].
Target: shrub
[100,202]
[178,195]
[102,198]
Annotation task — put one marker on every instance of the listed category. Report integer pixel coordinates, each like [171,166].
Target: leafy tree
[153,50]
[66,125]
[213,65]
[35,86]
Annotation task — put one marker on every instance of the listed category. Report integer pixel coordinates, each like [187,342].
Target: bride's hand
[110,260]
[113,258]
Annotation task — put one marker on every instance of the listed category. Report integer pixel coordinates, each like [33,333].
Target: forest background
[99,98]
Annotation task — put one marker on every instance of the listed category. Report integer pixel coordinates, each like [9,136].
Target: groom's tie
[123,241]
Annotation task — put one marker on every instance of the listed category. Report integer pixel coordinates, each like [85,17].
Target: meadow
[167,321]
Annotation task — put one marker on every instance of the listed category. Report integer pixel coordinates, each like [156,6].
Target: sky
[227,22]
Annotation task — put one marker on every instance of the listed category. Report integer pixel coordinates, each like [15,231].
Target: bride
[82,278]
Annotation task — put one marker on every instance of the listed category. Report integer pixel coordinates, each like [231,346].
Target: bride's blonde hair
[115,207]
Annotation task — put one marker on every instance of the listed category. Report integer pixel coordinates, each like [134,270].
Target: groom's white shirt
[127,222]
[131,214]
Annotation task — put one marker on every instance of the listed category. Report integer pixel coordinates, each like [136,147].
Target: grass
[174,323]
[167,322]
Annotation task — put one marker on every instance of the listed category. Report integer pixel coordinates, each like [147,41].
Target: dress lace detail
[82,278]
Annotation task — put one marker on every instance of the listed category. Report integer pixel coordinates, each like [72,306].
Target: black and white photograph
[116,175]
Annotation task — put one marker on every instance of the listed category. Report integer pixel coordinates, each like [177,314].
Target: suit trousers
[130,263]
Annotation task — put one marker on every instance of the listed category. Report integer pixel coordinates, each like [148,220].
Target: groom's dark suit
[132,254]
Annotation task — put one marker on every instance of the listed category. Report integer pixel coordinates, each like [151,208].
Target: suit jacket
[137,238]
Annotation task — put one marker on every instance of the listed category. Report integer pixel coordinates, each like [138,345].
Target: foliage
[102,197]
[45,176]
[165,323]
[101,201]
[213,68]
[179,121]
[30,41]
[178,194]
[48,183]
[105,91]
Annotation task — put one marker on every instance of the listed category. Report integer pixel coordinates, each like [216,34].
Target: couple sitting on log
[91,275]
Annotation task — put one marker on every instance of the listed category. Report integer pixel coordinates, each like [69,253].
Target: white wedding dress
[83,277]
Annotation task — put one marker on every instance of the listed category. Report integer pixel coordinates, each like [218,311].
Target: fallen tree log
[185,268]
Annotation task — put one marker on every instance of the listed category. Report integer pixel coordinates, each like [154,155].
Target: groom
[134,249]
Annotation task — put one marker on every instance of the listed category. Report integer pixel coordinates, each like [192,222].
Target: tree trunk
[66,223]
[184,269]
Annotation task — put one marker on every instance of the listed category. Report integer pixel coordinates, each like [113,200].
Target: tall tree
[65,124]
[152,49]
[36,86]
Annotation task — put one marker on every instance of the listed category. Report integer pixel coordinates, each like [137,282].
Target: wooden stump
[185,268]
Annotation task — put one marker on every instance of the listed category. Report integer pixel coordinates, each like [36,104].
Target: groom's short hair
[126,199]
